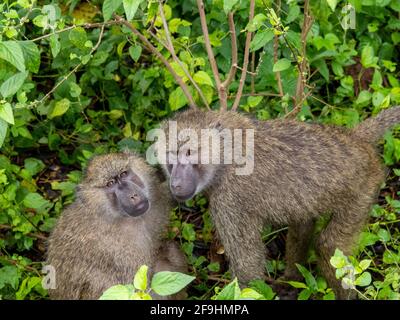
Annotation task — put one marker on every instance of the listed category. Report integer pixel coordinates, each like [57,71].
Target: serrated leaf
[6,113]
[135,52]
[281,64]
[261,39]
[229,4]
[60,108]
[140,280]
[230,292]
[130,8]
[11,51]
[12,84]
[166,283]
[118,292]
[31,55]
[109,7]
[202,77]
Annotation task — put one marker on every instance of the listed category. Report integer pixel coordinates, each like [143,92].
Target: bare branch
[245,60]
[170,47]
[149,46]
[301,96]
[253,73]
[276,47]
[232,71]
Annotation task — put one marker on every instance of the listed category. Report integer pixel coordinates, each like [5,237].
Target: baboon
[114,226]
[301,171]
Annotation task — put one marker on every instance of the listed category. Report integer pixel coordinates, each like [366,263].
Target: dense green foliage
[72,86]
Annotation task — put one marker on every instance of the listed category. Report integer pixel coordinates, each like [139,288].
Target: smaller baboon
[114,226]
[301,171]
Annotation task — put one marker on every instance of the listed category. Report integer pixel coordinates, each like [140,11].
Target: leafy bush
[75,82]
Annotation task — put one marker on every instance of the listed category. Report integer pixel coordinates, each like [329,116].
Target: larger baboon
[301,171]
[114,226]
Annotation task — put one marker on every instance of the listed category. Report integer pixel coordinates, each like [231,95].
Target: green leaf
[230,292]
[177,99]
[33,166]
[166,283]
[130,8]
[391,257]
[256,23]
[248,293]
[135,52]
[229,4]
[9,275]
[254,101]
[304,294]
[281,64]
[31,55]
[109,7]
[310,280]
[297,284]
[55,45]
[3,131]
[12,84]
[363,280]
[188,232]
[78,37]
[364,264]
[263,288]
[60,108]
[202,77]
[11,51]
[140,280]
[34,201]
[384,235]
[368,59]
[6,113]
[118,292]
[332,4]
[261,39]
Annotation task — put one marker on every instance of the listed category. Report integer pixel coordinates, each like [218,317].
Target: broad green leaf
[364,264]
[130,8]
[230,292]
[118,292]
[139,295]
[188,232]
[3,131]
[33,166]
[6,113]
[60,108]
[166,283]
[31,55]
[310,280]
[281,64]
[55,45]
[363,98]
[263,288]
[40,21]
[177,99]
[140,280]
[363,280]
[12,84]
[261,39]
[9,275]
[254,101]
[248,293]
[368,58]
[109,7]
[26,287]
[391,257]
[78,37]
[202,77]
[34,201]
[256,23]
[11,51]
[304,294]
[384,235]
[135,52]
[229,4]
[332,4]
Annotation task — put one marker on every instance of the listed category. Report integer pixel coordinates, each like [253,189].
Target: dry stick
[301,79]
[72,71]
[170,47]
[253,74]
[245,60]
[276,46]
[232,71]
[221,90]
[149,46]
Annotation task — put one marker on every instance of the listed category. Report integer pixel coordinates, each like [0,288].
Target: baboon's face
[126,194]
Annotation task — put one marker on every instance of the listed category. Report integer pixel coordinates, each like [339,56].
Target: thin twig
[232,71]
[220,88]
[245,60]
[149,46]
[276,47]
[253,74]
[170,47]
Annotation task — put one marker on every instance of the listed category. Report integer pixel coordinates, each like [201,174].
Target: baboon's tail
[374,128]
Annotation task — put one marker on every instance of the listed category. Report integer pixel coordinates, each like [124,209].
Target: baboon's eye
[110,183]
[123,174]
